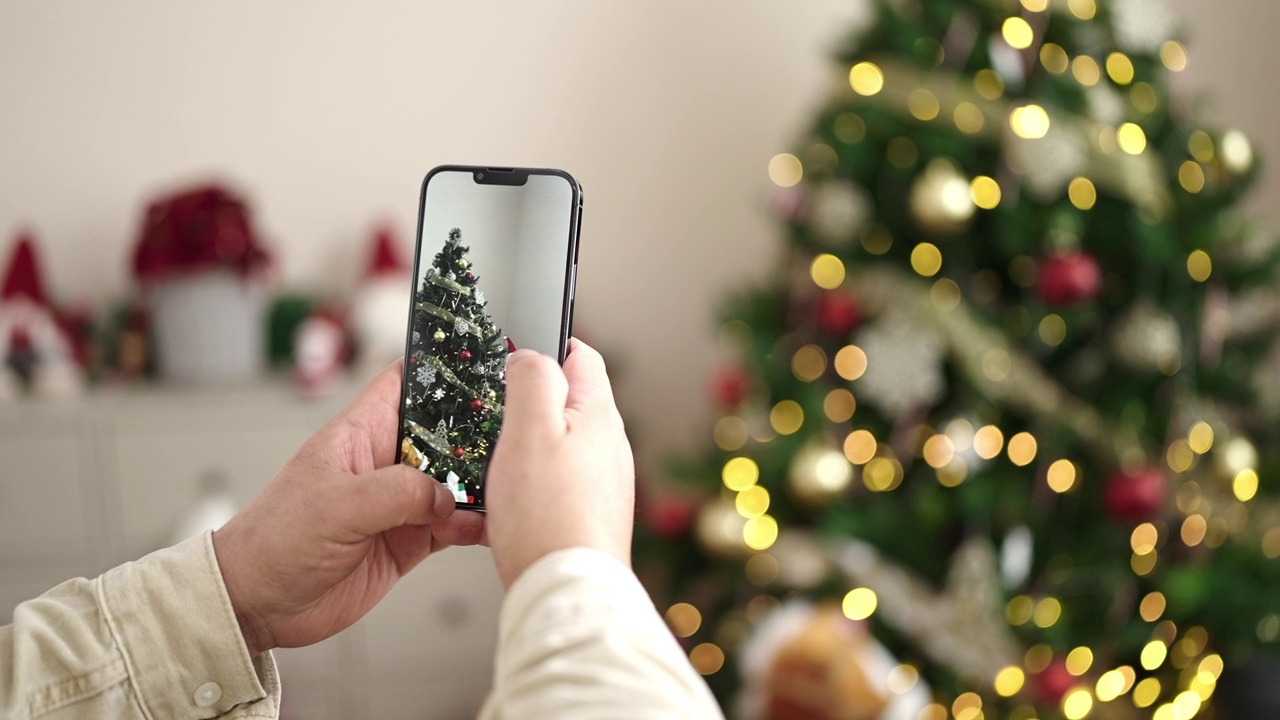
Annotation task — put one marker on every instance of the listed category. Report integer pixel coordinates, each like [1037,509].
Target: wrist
[253,629]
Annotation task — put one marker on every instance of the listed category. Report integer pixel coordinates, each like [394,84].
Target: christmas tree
[453,403]
[1010,408]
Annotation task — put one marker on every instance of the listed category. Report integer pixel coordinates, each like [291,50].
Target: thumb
[535,393]
[389,498]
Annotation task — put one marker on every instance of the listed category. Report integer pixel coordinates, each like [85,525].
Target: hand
[562,474]
[337,527]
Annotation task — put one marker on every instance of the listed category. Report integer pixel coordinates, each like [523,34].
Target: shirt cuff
[172,619]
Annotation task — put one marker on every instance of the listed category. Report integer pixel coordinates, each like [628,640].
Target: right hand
[562,474]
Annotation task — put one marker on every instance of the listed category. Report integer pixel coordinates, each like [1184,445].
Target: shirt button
[207,694]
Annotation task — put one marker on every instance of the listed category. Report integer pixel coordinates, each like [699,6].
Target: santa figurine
[34,347]
[380,308]
[320,351]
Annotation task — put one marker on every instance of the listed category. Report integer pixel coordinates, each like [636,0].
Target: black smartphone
[494,270]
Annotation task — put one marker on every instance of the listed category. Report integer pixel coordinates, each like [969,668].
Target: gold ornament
[438,336]
[719,529]
[819,474]
[409,454]
[941,200]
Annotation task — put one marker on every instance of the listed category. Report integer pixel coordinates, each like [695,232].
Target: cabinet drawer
[42,497]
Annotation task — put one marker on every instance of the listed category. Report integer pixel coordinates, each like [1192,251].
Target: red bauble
[837,314]
[671,516]
[1054,682]
[470,276]
[730,385]
[1069,278]
[458,452]
[476,404]
[511,346]
[1136,496]
[464,355]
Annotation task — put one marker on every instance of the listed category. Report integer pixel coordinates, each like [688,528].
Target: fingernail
[444,502]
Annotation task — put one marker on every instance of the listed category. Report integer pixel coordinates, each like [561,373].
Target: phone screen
[493,271]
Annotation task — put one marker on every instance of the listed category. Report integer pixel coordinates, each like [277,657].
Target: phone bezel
[494,175]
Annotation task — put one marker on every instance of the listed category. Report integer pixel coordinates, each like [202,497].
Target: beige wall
[330,112]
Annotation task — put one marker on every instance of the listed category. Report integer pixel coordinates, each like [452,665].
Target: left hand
[338,526]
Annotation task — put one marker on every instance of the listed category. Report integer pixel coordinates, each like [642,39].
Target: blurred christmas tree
[1012,407]
[455,384]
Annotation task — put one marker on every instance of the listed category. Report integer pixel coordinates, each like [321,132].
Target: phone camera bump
[479,176]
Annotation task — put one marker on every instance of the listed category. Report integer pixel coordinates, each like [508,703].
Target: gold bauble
[719,529]
[940,200]
[819,474]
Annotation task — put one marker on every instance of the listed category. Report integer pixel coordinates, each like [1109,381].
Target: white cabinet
[88,484]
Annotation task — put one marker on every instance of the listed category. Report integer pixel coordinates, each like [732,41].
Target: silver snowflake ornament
[438,394]
[426,375]
[904,365]
[479,297]
[462,327]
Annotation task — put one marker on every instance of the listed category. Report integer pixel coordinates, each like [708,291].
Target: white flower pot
[208,328]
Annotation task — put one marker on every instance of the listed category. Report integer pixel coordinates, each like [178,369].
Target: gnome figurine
[380,308]
[34,349]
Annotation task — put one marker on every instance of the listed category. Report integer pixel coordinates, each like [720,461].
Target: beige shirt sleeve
[579,638]
[153,639]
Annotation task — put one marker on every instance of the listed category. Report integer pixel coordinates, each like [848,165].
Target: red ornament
[1054,682]
[511,346]
[1137,496]
[384,260]
[837,314]
[730,386]
[476,404]
[1068,278]
[671,516]
[458,452]
[470,276]
[464,355]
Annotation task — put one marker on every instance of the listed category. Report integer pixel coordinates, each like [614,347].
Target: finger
[536,392]
[390,498]
[460,529]
[588,380]
[376,410]
[410,545]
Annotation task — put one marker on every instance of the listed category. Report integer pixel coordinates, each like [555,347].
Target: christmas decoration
[35,349]
[379,309]
[1067,349]
[837,313]
[940,199]
[1068,278]
[447,434]
[320,352]
[730,385]
[1132,497]
[670,516]
[197,253]
[813,662]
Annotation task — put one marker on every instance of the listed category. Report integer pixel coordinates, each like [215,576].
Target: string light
[1022,449]
[1146,693]
[1152,606]
[1237,154]
[926,259]
[809,363]
[1008,682]
[1054,58]
[761,570]
[938,451]
[1047,612]
[866,78]
[1030,122]
[1053,330]
[740,473]
[1082,193]
[1200,145]
[707,658]
[985,192]
[839,405]
[860,447]
[683,619]
[1086,71]
[752,502]
[945,294]
[760,532]
[730,433]
[827,271]
[1083,9]
[996,364]
[877,239]
[851,362]
[1180,457]
[1114,683]
[786,417]
[989,84]
[1144,538]
[1142,565]
[902,679]
[1120,68]
[969,118]
[1061,476]
[1017,32]
[1153,655]
[923,105]
[1199,266]
[1077,703]
[1131,138]
[1245,485]
[902,153]
[1191,177]
[988,441]
[1038,658]
[1019,609]
[1036,5]
[785,170]
[1144,97]
[859,603]
[850,128]
[882,474]
[1079,660]
[1174,56]
[967,705]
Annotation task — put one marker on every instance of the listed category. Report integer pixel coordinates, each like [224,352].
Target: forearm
[152,638]
[581,639]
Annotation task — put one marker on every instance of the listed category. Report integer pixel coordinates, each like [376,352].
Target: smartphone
[494,270]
